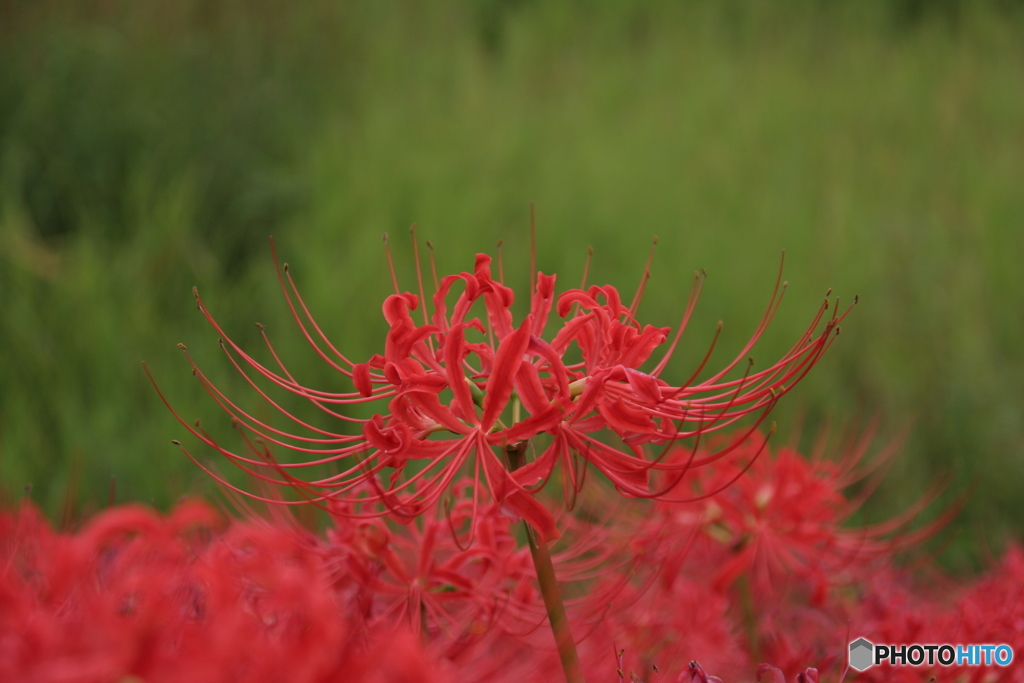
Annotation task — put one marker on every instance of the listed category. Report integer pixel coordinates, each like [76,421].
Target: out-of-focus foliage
[149,146]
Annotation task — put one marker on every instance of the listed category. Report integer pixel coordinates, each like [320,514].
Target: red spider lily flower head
[137,596]
[466,394]
[667,625]
[994,607]
[778,517]
[419,576]
[94,606]
[894,609]
[793,634]
[455,596]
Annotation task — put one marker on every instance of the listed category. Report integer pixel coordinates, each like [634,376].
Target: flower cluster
[464,390]
[773,517]
[134,595]
[451,594]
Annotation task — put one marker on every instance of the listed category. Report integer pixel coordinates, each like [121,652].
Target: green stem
[549,587]
[749,616]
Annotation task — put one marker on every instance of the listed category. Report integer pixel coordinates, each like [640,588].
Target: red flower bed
[763,572]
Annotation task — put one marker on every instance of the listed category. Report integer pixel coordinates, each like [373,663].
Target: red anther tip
[181,346]
[261,326]
[385,238]
[856,298]
[654,240]
[286,266]
[590,251]
[175,442]
[195,292]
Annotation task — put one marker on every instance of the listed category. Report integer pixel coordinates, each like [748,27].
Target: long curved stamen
[602,412]
[635,304]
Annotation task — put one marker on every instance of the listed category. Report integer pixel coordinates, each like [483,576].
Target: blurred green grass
[147,147]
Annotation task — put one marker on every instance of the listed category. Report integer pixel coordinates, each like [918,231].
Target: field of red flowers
[697,549]
[764,572]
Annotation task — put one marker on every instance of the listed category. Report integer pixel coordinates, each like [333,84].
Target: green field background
[146,147]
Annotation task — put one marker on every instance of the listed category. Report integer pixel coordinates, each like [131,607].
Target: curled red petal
[626,419]
[428,383]
[540,306]
[766,673]
[533,472]
[430,406]
[592,391]
[530,509]
[404,410]
[454,351]
[573,296]
[646,388]
[361,379]
[510,494]
[543,421]
[557,369]
[529,388]
[506,364]
[641,348]
[397,306]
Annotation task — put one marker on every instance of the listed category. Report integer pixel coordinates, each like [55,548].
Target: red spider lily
[992,611]
[791,634]
[455,404]
[134,596]
[773,542]
[892,610]
[453,595]
[668,625]
[783,518]
[419,575]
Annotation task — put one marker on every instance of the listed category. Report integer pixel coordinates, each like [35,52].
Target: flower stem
[749,616]
[548,583]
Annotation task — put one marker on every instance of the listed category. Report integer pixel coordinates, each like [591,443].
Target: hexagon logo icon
[861,653]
